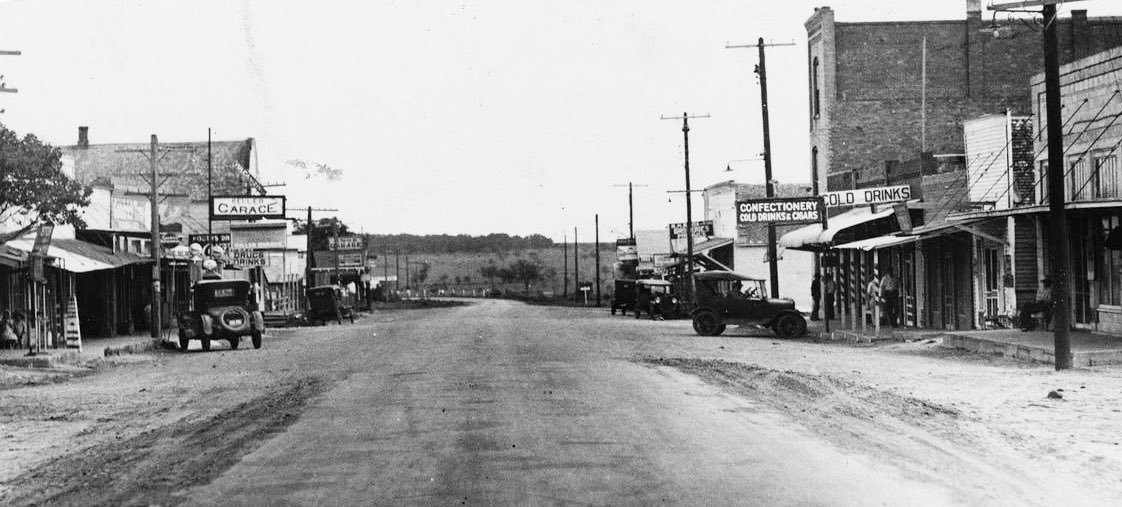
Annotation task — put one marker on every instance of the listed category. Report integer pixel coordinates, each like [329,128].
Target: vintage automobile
[656,298]
[623,298]
[222,310]
[724,298]
[326,302]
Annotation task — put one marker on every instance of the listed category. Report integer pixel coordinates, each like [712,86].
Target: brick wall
[870,80]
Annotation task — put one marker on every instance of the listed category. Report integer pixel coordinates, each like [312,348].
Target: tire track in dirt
[150,468]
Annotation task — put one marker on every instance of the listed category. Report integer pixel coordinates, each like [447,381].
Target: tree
[444,279]
[457,280]
[526,272]
[490,271]
[324,228]
[33,189]
[421,274]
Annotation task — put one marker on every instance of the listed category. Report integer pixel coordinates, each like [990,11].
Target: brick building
[866,86]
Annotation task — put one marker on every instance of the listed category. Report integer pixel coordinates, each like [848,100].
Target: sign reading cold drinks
[864,196]
[780,211]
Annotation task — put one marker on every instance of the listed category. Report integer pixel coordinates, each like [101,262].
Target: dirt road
[500,403]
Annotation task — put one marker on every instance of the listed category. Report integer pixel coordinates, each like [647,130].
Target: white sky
[446,116]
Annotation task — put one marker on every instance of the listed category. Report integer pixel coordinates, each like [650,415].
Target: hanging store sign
[626,251]
[209,239]
[344,243]
[242,207]
[703,229]
[865,196]
[43,239]
[781,211]
[259,235]
[245,257]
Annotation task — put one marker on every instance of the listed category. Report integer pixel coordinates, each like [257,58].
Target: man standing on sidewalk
[890,291]
[816,295]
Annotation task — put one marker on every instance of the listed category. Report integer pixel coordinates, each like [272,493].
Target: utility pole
[153,154]
[335,233]
[689,207]
[565,267]
[630,208]
[1061,249]
[576,263]
[397,269]
[209,183]
[308,274]
[761,70]
[598,260]
[3,85]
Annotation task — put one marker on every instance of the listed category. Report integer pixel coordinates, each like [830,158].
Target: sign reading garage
[245,207]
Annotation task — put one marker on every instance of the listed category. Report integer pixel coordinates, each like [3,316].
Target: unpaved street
[500,403]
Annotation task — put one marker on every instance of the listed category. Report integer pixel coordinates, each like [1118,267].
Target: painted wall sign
[260,236]
[703,229]
[244,207]
[864,196]
[780,211]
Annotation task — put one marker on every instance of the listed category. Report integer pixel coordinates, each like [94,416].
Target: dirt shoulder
[1067,446]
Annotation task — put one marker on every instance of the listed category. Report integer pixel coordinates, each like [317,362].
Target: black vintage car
[657,299]
[623,298]
[325,302]
[724,298]
[222,310]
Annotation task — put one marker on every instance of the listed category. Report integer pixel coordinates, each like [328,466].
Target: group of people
[13,329]
[885,290]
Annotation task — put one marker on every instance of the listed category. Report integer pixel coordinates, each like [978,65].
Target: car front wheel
[183,341]
[234,342]
[256,338]
[707,323]
[206,344]
[790,326]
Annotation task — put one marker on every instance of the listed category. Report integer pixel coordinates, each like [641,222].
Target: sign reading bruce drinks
[863,196]
[780,211]
[244,207]
[703,229]
[346,243]
[245,257]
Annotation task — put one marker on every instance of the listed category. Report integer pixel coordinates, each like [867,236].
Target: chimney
[83,137]
[1080,34]
[973,9]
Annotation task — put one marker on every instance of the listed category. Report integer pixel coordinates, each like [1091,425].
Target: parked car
[623,298]
[222,310]
[326,302]
[724,298]
[656,297]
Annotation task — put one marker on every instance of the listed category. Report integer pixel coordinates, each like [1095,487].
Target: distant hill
[461,270]
[462,243]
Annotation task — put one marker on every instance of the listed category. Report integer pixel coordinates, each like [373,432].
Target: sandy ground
[985,422]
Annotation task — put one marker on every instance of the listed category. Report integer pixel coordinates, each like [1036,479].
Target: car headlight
[674,301]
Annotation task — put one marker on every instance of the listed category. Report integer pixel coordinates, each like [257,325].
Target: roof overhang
[814,237]
[78,256]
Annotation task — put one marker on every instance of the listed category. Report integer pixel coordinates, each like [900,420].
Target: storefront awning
[706,246]
[877,243]
[78,256]
[813,237]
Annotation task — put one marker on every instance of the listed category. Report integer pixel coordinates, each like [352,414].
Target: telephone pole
[1061,249]
[597,246]
[576,264]
[689,209]
[565,267]
[761,70]
[308,274]
[630,207]
[153,154]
